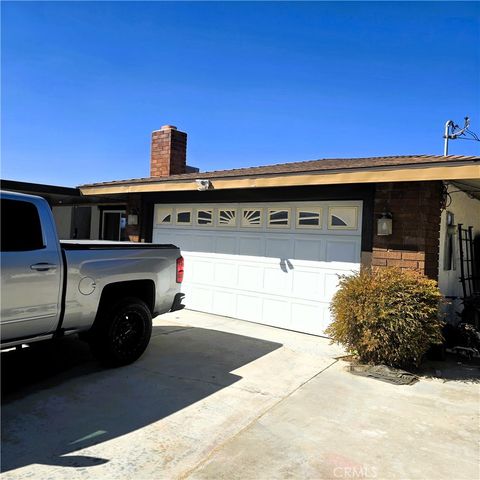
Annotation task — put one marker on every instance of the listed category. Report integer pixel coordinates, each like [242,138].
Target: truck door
[31,269]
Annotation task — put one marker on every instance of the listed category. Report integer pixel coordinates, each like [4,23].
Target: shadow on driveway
[56,399]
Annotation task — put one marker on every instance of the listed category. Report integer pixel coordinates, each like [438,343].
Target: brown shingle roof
[321,166]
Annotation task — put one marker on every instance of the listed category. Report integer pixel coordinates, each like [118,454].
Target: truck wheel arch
[114,292]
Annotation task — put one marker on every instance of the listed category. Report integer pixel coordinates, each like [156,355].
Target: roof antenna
[454,132]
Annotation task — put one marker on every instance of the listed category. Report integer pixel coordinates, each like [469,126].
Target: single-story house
[267,243]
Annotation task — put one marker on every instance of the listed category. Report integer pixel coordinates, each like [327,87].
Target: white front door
[271,263]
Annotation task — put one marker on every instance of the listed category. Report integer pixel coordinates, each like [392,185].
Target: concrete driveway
[219,398]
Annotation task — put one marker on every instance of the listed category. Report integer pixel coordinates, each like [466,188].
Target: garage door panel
[226,274]
[250,277]
[203,243]
[199,298]
[202,272]
[309,249]
[252,246]
[276,313]
[330,285]
[249,307]
[225,244]
[327,317]
[341,251]
[279,247]
[224,303]
[276,280]
[282,277]
[310,316]
[307,284]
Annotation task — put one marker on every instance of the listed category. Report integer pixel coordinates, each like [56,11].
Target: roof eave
[467,170]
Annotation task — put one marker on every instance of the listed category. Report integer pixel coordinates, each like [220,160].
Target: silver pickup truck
[105,291]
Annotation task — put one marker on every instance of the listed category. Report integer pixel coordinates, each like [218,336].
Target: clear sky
[85,83]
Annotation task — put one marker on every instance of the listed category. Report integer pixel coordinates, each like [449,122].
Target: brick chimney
[169,152]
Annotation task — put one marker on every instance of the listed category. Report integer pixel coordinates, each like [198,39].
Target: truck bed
[106,244]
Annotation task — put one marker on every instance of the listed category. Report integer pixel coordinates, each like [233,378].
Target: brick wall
[168,152]
[414,243]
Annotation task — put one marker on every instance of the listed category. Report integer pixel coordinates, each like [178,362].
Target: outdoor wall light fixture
[384,224]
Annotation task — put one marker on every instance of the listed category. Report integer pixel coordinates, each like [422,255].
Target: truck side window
[20,226]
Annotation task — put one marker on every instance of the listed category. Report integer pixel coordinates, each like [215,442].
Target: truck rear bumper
[177,302]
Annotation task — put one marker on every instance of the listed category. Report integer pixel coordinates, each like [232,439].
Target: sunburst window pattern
[251,217]
[205,217]
[227,218]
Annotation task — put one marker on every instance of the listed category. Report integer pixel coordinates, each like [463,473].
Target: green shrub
[386,316]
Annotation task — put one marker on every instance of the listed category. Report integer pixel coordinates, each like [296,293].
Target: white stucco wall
[466,211]
[63,221]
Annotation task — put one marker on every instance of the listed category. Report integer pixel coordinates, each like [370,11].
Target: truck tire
[122,333]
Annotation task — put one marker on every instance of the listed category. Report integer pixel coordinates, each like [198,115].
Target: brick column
[416,209]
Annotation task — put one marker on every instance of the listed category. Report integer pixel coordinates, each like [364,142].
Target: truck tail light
[180,264]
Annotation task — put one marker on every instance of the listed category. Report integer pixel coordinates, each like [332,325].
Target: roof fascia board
[457,172]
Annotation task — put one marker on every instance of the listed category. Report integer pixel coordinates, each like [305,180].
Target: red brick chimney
[169,152]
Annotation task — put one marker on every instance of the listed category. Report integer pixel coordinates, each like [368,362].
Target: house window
[184,216]
[343,218]
[278,218]
[252,217]
[227,217]
[309,217]
[163,216]
[205,216]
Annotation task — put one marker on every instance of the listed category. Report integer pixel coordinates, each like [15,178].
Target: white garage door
[271,263]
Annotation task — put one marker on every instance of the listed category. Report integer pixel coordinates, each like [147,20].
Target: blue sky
[85,83]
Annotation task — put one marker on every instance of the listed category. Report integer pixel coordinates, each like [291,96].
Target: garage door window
[164,216]
[227,217]
[309,218]
[279,218]
[205,217]
[184,216]
[252,217]
[342,218]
